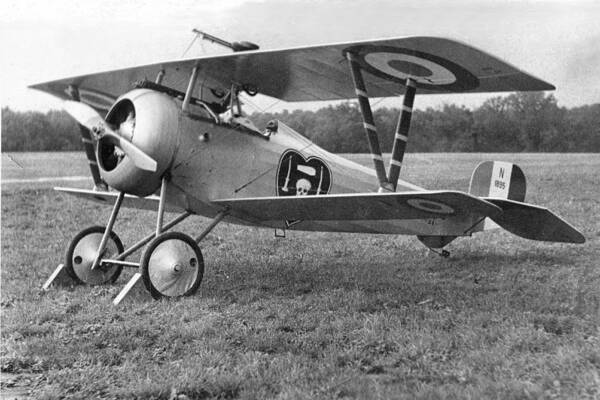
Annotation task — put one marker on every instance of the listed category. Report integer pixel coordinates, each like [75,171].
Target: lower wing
[447,206]
[417,205]
[345,212]
[129,201]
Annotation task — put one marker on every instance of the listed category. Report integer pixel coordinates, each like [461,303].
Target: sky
[557,41]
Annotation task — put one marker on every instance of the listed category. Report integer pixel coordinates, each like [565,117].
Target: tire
[82,251]
[172,266]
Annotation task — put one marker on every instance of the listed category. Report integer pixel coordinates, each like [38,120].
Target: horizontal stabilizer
[534,222]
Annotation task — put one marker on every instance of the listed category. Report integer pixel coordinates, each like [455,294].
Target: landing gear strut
[172,264]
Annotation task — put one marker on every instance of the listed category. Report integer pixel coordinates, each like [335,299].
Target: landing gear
[172,265]
[82,253]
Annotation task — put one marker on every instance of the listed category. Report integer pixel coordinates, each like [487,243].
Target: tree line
[520,122]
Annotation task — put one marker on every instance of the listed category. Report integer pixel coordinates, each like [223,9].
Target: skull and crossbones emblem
[302,187]
[302,176]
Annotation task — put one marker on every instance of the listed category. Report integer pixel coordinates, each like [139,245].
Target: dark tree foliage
[520,122]
[35,131]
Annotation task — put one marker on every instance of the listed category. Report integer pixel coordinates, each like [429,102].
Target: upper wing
[360,207]
[321,72]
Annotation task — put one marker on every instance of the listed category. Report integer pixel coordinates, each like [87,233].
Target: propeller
[88,117]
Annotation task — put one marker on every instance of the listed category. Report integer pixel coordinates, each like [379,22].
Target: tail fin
[498,179]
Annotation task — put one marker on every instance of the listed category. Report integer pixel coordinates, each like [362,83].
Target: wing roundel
[430,72]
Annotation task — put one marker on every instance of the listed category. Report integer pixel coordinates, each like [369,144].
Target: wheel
[172,265]
[82,251]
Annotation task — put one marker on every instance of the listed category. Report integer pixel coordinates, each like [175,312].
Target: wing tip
[544,86]
[550,86]
[577,237]
[35,86]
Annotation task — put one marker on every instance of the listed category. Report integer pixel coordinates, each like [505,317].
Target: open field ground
[312,315]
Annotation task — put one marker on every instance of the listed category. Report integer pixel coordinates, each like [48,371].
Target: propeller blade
[88,117]
[141,159]
[83,114]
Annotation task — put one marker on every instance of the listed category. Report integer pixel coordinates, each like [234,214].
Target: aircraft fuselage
[216,161]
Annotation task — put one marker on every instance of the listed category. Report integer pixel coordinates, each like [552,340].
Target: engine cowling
[150,120]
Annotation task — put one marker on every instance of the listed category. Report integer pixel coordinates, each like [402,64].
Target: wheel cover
[83,257]
[173,267]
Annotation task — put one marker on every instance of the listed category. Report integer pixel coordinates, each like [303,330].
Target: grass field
[312,315]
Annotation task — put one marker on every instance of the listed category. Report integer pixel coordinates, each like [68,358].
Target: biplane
[173,136]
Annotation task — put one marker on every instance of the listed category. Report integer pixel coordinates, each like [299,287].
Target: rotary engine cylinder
[149,120]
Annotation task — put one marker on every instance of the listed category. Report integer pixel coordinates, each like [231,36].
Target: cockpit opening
[224,108]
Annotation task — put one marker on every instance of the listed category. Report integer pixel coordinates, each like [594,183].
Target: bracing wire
[190,45]
[258,108]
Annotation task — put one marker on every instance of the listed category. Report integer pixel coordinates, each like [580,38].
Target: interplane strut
[401,136]
[368,122]
[387,182]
